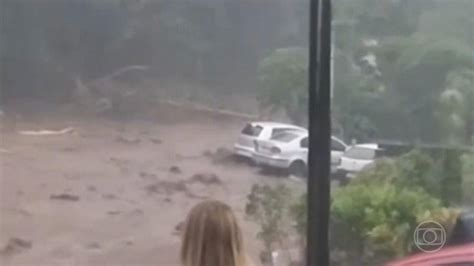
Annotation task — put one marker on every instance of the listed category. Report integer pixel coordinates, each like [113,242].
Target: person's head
[212,237]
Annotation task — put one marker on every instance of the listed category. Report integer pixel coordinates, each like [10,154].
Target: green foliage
[456,110]
[447,217]
[267,206]
[283,82]
[468,179]
[439,21]
[449,169]
[414,169]
[439,176]
[298,211]
[417,51]
[414,69]
[381,216]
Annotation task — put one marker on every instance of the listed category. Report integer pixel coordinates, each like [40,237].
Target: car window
[304,143]
[277,131]
[285,137]
[360,153]
[337,146]
[253,131]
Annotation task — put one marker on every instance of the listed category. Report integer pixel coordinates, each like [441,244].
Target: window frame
[319,108]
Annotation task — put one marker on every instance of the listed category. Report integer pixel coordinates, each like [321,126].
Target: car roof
[306,133]
[274,124]
[300,134]
[373,146]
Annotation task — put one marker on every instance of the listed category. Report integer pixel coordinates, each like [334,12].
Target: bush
[440,177]
[377,218]
[268,207]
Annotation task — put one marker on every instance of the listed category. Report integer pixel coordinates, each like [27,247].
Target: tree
[457,106]
[283,83]
[414,49]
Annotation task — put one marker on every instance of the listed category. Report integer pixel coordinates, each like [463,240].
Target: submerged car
[358,158]
[253,131]
[289,150]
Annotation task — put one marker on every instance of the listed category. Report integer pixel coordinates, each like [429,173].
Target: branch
[120,72]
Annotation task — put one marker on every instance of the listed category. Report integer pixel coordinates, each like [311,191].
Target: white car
[357,158]
[289,150]
[259,131]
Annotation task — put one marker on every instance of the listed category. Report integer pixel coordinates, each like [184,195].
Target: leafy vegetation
[373,217]
[389,66]
[283,82]
[380,217]
[268,206]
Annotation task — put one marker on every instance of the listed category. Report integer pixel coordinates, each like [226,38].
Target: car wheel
[298,169]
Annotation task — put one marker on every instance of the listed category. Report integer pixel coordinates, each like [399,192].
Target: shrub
[268,207]
[448,171]
[377,218]
[440,177]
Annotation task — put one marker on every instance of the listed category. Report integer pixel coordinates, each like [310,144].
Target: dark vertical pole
[319,133]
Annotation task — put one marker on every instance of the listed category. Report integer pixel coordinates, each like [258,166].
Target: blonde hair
[212,237]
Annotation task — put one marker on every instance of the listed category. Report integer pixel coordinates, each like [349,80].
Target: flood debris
[16,245]
[220,156]
[128,140]
[171,187]
[136,212]
[64,196]
[156,141]
[205,178]
[45,132]
[119,161]
[144,174]
[70,149]
[175,169]
[178,229]
[167,187]
[93,245]
[207,153]
[109,196]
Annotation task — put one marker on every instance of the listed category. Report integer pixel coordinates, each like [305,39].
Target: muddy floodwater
[111,192]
